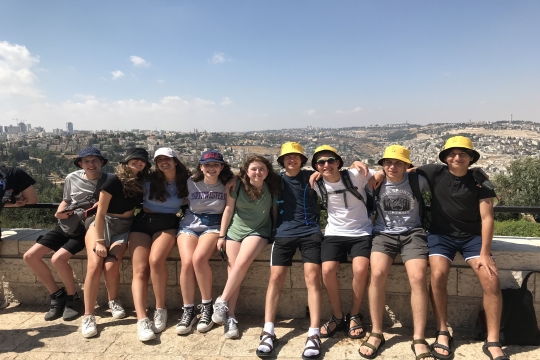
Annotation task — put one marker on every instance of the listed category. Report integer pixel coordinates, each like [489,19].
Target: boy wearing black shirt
[462,220]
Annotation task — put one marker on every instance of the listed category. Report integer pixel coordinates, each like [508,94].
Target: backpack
[414,183]
[5,193]
[346,179]
[518,318]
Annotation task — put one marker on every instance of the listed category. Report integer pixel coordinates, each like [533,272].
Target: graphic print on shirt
[201,195]
[397,202]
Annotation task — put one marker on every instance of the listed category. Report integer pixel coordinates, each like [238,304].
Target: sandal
[358,321]
[372,347]
[448,348]
[316,341]
[422,355]
[339,325]
[493,344]
[265,336]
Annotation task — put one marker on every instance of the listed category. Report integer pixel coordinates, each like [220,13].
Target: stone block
[126,274]
[398,281]
[24,246]
[9,247]
[16,270]
[463,311]
[452,284]
[27,293]
[516,253]
[297,276]
[219,273]
[174,254]
[468,284]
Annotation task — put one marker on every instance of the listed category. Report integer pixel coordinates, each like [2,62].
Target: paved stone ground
[25,335]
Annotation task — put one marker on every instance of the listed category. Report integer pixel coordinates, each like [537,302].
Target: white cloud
[161,81]
[117,74]
[309,112]
[139,61]
[218,58]
[16,76]
[346,112]
[226,101]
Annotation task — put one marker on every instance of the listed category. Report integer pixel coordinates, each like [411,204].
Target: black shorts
[284,249]
[336,248]
[151,223]
[56,239]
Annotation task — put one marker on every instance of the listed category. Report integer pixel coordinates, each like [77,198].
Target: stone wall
[514,256]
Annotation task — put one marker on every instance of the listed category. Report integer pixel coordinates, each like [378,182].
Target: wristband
[221,237]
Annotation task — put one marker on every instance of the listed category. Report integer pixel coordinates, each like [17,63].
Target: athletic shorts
[151,223]
[283,249]
[411,244]
[264,237]
[440,245]
[336,248]
[56,239]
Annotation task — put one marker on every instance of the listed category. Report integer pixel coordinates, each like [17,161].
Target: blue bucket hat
[89,151]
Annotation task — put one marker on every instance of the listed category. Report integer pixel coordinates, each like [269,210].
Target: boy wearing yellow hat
[462,220]
[398,229]
[348,232]
[297,227]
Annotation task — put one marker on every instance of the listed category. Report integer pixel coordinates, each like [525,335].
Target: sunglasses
[329,160]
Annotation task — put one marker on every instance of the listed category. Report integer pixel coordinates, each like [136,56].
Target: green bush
[517,228]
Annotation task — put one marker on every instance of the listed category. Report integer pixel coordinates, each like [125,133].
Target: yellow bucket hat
[325,148]
[397,152]
[291,148]
[459,142]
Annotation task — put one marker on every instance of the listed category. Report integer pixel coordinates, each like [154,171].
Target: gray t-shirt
[398,210]
[203,199]
[77,188]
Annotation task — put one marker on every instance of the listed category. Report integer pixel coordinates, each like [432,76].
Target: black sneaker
[57,307]
[71,309]
[205,321]
[187,321]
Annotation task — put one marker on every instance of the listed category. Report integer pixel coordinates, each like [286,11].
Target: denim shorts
[197,233]
[441,245]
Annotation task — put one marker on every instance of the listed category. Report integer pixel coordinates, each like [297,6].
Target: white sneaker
[231,329]
[220,311]
[144,330]
[89,328]
[117,310]
[160,320]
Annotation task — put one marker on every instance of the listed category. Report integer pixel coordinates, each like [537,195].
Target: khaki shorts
[411,244]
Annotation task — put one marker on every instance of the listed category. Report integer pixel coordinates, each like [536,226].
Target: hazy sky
[248,65]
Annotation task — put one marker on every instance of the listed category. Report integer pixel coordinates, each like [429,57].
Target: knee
[156,263]
[491,285]
[278,278]
[328,273]
[418,279]
[111,268]
[199,262]
[313,278]
[378,276]
[438,278]
[187,266]
[57,261]
[360,271]
[30,257]
[141,273]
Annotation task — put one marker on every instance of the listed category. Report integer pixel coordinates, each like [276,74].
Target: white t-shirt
[350,221]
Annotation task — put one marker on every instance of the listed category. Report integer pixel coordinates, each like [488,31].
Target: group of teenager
[240,215]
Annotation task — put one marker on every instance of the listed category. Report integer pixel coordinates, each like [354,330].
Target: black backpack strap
[376,199]
[323,193]
[238,184]
[99,184]
[414,183]
[346,178]
[526,279]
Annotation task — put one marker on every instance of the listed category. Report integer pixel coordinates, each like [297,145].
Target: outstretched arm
[225,221]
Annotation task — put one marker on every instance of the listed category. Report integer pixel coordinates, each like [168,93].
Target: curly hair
[131,184]
[224,176]
[158,192]
[272,180]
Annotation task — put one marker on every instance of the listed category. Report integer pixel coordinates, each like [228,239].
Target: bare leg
[312,275]
[34,258]
[161,248]
[250,248]
[112,269]
[205,249]
[492,304]
[440,269]
[93,273]
[380,267]
[330,279]
[416,270]
[139,246]
[60,261]
[360,267]
[273,293]
[186,246]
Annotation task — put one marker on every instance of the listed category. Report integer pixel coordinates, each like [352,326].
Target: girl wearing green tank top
[247,227]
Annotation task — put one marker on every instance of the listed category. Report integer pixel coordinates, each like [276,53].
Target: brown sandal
[372,347]
[422,355]
[265,336]
[316,341]
[340,323]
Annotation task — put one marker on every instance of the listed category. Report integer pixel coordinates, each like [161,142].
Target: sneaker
[220,312]
[89,328]
[3,304]
[57,307]
[144,330]
[160,320]
[231,329]
[70,311]
[117,310]
[205,321]
[187,321]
